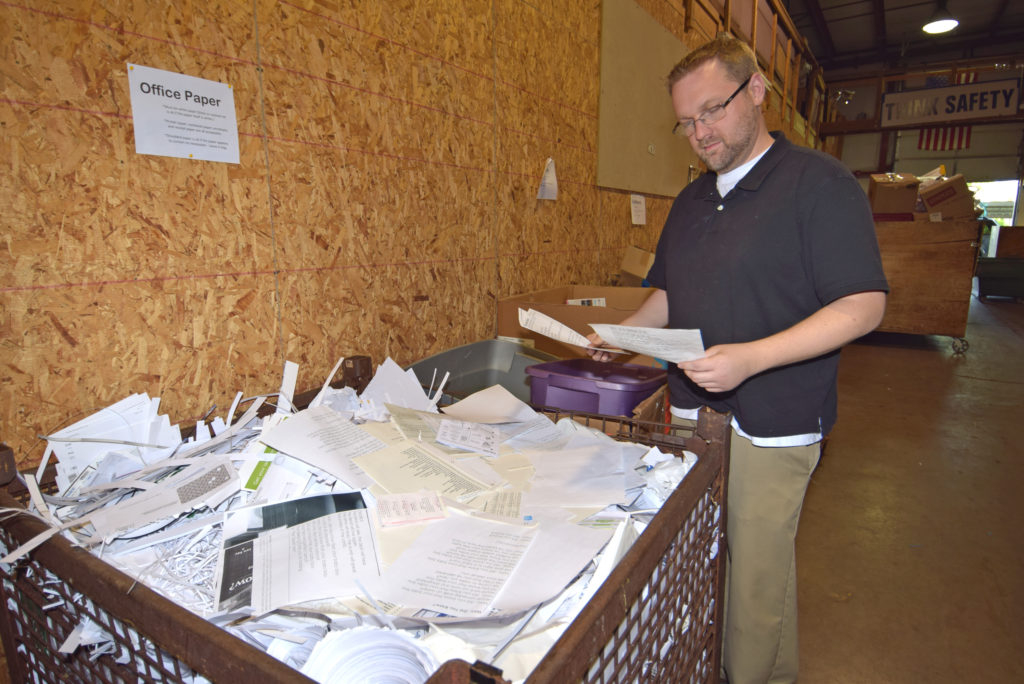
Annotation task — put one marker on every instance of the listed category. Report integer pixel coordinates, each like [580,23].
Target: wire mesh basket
[657,617]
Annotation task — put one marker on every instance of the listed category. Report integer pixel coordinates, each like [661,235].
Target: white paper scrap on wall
[638,209]
[548,189]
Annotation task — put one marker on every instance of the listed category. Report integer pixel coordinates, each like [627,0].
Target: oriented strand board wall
[390,158]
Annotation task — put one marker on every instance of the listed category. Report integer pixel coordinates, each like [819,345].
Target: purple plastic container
[612,389]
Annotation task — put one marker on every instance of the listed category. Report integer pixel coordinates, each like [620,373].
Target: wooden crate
[930,267]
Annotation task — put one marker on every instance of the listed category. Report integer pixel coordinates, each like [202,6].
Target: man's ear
[758,88]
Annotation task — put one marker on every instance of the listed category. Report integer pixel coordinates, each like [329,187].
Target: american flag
[946,137]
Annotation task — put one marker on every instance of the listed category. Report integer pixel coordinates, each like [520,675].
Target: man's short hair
[732,53]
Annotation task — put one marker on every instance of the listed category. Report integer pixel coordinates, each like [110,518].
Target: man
[772,254]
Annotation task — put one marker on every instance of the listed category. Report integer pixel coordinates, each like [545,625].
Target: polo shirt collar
[771,159]
[752,181]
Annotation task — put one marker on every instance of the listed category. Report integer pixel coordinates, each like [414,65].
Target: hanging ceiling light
[941,20]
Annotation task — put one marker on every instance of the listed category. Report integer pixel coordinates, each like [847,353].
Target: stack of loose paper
[131,428]
[464,516]
[295,551]
[392,385]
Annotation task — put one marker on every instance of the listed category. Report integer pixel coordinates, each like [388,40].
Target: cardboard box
[903,216]
[892,193]
[948,196]
[654,409]
[608,305]
[634,268]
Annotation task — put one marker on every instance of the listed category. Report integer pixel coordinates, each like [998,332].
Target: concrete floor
[910,550]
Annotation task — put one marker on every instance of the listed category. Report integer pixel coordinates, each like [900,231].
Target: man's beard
[731,154]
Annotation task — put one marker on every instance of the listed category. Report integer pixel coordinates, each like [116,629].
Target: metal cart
[656,618]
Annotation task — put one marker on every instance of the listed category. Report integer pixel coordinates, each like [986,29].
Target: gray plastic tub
[480,365]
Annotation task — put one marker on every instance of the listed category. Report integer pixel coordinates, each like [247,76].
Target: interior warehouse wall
[385,199]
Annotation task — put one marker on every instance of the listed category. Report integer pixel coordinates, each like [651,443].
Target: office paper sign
[954,103]
[182,116]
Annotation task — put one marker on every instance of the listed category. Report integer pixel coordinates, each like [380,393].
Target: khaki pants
[766,493]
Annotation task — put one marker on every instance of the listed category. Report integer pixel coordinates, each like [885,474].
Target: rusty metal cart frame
[656,618]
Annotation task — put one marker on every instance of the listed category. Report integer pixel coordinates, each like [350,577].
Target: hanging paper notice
[638,209]
[182,116]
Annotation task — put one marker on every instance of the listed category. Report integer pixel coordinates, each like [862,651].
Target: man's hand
[723,367]
[653,313]
[596,354]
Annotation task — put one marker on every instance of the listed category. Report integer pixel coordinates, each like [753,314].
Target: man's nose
[700,129]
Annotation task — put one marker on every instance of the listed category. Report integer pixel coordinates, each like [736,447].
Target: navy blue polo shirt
[794,234]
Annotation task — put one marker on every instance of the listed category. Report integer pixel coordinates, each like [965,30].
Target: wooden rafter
[821,27]
[880,28]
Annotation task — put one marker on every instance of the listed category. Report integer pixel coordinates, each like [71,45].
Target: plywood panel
[70,351]
[406,310]
[390,155]
[123,272]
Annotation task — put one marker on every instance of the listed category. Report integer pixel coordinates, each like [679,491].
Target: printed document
[403,509]
[325,439]
[324,558]
[468,436]
[549,327]
[238,572]
[457,566]
[408,467]
[671,344]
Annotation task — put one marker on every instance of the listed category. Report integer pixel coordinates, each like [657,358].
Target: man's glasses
[688,127]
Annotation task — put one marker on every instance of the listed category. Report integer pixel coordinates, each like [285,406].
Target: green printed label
[258,473]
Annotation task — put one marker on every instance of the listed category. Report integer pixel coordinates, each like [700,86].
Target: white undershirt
[726,182]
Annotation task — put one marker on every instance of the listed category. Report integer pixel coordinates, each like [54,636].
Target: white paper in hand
[549,327]
[671,344]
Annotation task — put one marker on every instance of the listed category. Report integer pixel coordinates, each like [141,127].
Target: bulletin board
[636,148]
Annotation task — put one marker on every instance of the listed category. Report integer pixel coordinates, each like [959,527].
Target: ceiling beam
[879,20]
[997,17]
[821,27]
[1000,44]
[912,59]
